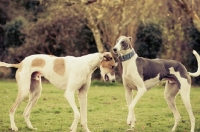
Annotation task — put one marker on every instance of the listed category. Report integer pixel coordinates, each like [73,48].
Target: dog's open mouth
[106,78]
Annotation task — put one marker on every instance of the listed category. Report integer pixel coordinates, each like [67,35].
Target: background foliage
[160,29]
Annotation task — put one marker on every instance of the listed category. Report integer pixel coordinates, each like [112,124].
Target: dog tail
[197,73]
[9,65]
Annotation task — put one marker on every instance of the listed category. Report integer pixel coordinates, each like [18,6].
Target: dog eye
[113,67]
[123,43]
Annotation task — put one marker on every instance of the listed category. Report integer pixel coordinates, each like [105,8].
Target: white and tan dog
[66,73]
[142,74]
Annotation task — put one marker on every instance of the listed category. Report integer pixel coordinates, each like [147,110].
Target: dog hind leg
[82,96]
[19,99]
[23,90]
[185,95]
[35,92]
[171,90]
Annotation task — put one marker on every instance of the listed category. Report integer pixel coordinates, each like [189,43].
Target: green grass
[107,110]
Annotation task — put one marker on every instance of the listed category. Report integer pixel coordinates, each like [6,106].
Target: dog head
[107,67]
[123,43]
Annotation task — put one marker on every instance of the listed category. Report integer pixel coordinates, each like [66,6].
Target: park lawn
[107,110]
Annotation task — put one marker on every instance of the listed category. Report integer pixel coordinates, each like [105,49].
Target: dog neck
[128,55]
[95,62]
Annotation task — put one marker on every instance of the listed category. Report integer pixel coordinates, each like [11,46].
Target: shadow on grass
[102,83]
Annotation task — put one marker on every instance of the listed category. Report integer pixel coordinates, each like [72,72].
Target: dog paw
[129,120]
[129,130]
[85,127]
[72,130]
[133,124]
[14,128]
[34,128]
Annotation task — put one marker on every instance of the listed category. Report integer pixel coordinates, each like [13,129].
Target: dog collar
[127,56]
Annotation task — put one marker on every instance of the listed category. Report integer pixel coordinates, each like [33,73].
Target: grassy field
[107,110]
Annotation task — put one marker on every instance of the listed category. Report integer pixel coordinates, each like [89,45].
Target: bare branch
[192,4]
[184,6]
[196,20]
[190,11]
[90,2]
[87,2]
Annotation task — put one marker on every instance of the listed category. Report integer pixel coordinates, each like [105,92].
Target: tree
[73,27]
[188,8]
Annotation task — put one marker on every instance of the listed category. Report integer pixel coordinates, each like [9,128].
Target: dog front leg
[128,95]
[131,116]
[129,98]
[82,96]
[70,97]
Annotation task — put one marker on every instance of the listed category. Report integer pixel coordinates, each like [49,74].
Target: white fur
[197,73]
[152,82]
[74,75]
[133,81]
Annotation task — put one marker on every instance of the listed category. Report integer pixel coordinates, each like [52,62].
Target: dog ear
[130,38]
[107,57]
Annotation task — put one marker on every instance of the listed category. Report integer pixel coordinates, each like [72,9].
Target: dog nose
[113,80]
[115,49]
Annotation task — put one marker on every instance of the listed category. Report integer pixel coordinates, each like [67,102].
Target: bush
[13,35]
[148,40]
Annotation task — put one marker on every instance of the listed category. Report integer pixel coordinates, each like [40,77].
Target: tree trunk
[95,30]
[97,37]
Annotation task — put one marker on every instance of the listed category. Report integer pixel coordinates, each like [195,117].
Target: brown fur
[108,63]
[59,66]
[38,62]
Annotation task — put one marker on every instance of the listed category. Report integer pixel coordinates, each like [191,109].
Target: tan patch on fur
[38,62]
[107,63]
[59,66]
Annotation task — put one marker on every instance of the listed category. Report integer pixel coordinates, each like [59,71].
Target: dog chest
[133,80]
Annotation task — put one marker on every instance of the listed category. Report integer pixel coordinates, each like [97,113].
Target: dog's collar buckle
[127,56]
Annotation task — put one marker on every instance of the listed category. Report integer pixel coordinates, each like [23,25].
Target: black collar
[127,56]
